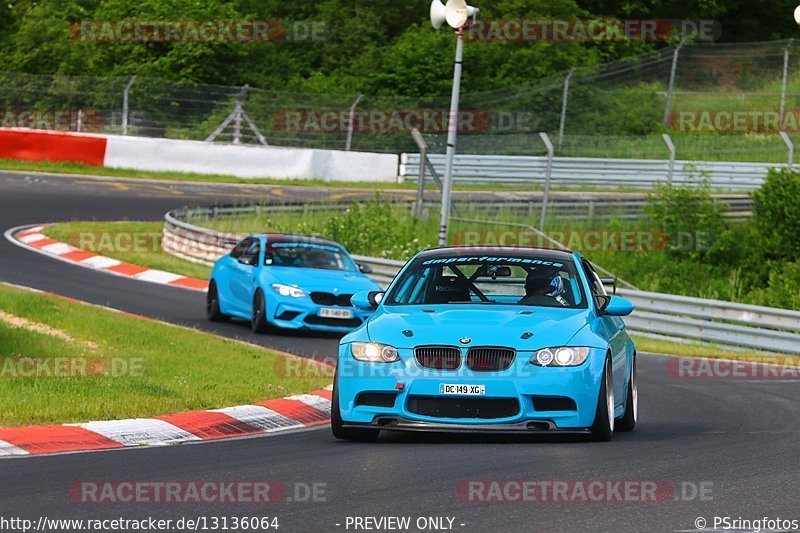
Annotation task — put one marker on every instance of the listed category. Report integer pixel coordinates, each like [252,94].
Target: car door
[243,276]
[237,276]
[613,328]
[226,270]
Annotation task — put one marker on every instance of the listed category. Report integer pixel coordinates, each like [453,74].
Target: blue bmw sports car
[488,340]
[290,282]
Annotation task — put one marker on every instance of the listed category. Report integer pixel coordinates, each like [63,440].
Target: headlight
[287,290]
[563,356]
[373,352]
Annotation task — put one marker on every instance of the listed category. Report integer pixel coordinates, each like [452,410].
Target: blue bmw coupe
[488,340]
[289,282]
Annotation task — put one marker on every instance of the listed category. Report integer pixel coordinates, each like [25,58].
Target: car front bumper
[410,398]
[301,313]
[530,426]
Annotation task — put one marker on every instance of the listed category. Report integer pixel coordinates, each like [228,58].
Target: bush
[782,289]
[378,228]
[776,208]
[687,213]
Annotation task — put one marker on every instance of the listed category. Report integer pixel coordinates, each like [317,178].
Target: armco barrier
[664,316]
[590,172]
[142,153]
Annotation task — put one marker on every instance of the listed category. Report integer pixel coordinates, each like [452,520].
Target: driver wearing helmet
[542,284]
[317,259]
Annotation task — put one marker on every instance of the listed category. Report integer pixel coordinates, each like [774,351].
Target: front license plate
[462,390]
[330,312]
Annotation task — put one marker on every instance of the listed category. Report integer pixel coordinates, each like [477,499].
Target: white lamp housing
[457,12]
[438,14]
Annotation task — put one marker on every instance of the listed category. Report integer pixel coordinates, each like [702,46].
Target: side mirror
[617,306]
[364,268]
[367,300]
[249,260]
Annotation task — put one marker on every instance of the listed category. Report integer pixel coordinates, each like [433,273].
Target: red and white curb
[32,238]
[269,417]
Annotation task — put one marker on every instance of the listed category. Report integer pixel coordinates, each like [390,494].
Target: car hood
[316,279]
[485,325]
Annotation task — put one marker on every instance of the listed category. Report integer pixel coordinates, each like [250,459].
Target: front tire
[258,318]
[628,421]
[212,304]
[603,427]
[337,424]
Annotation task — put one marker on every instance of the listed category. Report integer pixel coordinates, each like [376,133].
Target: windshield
[528,281]
[308,255]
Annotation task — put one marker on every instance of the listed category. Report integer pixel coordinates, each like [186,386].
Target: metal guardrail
[591,172]
[737,207]
[714,321]
[665,316]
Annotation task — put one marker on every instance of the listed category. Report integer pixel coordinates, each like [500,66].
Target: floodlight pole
[452,133]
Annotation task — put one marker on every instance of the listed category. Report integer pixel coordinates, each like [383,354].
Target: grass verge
[134,242]
[133,367]
[649,345]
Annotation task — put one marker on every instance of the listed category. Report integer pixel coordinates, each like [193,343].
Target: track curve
[738,437]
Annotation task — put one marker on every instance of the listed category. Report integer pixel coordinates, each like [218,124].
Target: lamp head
[438,14]
[457,12]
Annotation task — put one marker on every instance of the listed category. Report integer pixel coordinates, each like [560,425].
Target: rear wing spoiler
[610,282]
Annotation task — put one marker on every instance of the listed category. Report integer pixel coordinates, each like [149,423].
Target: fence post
[237,119]
[784,79]
[79,125]
[350,124]
[563,119]
[547,175]
[125,94]
[671,147]
[672,73]
[423,156]
[789,146]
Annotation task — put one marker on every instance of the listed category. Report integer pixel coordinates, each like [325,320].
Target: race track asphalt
[730,444]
